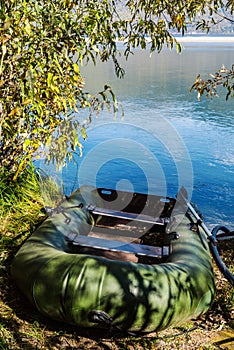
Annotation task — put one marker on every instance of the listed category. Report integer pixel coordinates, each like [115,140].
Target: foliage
[41,84]
[21,203]
[42,50]
[223,77]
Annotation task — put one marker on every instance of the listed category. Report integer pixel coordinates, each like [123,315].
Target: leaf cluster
[41,87]
[222,78]
[42,48]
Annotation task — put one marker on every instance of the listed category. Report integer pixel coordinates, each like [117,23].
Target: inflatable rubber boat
[160,272]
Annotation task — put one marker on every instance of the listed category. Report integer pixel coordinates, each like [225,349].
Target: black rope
[105,321]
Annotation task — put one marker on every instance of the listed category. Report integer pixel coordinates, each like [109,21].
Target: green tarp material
[138,297]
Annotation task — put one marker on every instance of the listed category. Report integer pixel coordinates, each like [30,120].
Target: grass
[22,327]
[21,202]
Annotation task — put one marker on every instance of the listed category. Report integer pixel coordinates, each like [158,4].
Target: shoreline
[205,39]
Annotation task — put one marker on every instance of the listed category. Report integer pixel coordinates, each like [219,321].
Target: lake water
[167,138]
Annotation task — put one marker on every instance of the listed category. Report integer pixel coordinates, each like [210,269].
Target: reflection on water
[153,89]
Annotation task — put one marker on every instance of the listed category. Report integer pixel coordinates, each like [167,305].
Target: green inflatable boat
[158,272]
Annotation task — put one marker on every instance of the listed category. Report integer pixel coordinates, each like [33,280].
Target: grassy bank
[22,327]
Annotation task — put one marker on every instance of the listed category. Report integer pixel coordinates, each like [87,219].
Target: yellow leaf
[27,27]
[76,68]
[64,104]
[26,144]
[26,102]
[13,112]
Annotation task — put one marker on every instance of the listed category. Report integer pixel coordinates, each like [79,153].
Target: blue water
[167,138]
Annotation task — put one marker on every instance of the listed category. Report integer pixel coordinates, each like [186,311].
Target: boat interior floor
[136,232]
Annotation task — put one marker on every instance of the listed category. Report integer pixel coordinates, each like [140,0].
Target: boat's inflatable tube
[138,297]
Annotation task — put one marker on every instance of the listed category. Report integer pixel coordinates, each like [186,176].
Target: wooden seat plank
[126,216]
[112,245]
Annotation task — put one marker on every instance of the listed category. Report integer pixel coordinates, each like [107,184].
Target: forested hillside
[222,23]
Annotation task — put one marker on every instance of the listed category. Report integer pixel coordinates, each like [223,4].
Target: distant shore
[205,39]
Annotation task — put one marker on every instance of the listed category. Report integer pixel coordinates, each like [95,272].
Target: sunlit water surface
[167,138]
